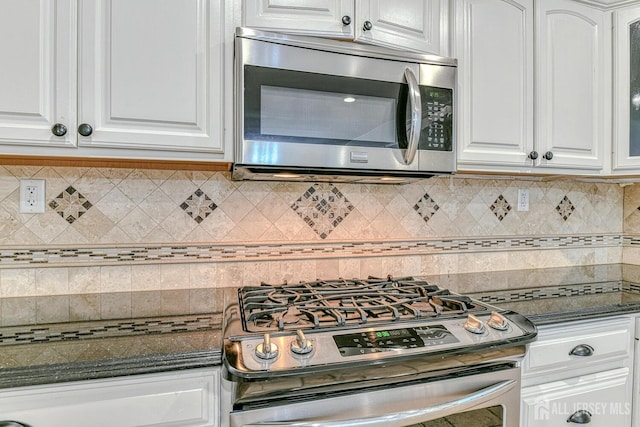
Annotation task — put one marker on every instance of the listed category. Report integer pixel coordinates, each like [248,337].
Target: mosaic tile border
[250,252]
[547,292]
[10,257]
[106,329]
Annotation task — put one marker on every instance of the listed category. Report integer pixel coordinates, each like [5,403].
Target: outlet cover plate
[32,195]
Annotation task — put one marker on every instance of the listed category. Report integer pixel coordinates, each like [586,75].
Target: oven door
[307,108]
[485,399]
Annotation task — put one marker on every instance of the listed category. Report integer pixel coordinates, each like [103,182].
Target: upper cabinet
[495,83]
[573,81]
[626,107]
[499,130]
[416,25]
[116,78]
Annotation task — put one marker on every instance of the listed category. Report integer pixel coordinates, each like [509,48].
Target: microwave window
[301,107]
[315,114]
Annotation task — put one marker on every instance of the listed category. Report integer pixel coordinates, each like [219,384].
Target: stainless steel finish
[396,406]
[260,160]
[548,155]
[533,155]
[498,321]
[300,345]
[367,26]
[581,416]
[346,20]
[266,350]
[474,325]
[413,135]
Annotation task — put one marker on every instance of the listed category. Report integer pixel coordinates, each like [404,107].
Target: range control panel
[377,341]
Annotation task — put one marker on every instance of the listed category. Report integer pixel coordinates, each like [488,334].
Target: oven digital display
[383,340]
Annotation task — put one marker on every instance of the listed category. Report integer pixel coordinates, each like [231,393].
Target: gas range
[341,324]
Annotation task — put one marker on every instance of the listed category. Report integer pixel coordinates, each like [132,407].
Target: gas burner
[335,303]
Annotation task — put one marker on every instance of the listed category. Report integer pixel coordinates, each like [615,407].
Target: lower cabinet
[580,373]
[175,399]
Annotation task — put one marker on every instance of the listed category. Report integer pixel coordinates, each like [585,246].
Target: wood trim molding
[112,163]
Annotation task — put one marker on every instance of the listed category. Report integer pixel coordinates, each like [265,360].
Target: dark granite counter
[158,336]
[142,342]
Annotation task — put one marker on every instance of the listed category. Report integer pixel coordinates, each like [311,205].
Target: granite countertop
[154,341]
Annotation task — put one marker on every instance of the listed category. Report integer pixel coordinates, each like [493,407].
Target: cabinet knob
[548,155]
[533,155]
[582,350]
[367,26]
[12,424]
[85,129]
[580,417]
[346,20]
[58,130]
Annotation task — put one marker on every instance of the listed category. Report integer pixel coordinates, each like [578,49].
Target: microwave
[326,110]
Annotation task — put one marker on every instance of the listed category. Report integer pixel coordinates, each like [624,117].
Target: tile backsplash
[111,231]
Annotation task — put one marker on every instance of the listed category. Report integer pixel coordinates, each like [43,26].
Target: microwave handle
[415,104]
[461,404]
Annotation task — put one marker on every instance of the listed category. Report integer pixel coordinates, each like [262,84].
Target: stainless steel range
[387,352]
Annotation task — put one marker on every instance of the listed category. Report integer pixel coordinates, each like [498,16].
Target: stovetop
[336,303]
[339,324]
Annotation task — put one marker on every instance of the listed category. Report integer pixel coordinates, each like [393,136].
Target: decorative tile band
[251,252]
[105,329]
[553,292]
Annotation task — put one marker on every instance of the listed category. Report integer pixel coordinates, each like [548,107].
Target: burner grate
[336,303]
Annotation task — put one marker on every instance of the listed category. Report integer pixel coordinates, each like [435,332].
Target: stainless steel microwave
[325,110]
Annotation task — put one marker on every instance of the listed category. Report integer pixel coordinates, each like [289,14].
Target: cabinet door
[495,83]
[572,80]
[37,76]
[626,107]
[606,396]
[183,399]
[306,17]
[419,25]
[151,74]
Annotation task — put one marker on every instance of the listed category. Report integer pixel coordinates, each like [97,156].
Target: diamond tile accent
[426,207]
[198,206]
[70,204]
[500,207]
[323,207]
[565,208]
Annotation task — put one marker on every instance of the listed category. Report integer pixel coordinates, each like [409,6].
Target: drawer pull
[582,350]
[12,424]
[580,417]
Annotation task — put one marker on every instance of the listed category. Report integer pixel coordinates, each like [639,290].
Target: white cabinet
[146,78]
[495,82]
[573,81]
[181,399]
[38,72]
[626,108]
[499,68]
[580,366]
[418,25]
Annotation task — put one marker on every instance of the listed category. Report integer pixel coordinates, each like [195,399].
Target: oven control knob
[474,325]
[300,344]
[498,321]
[266,350]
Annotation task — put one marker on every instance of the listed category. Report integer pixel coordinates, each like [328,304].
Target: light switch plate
[32,196]
[523,199]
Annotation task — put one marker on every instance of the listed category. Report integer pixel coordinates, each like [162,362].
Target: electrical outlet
[523,199]
[32,196]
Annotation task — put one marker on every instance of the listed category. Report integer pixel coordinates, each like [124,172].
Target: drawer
[579,348]
[606,396]
[186,398]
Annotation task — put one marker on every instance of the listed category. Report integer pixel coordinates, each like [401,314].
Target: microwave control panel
[437,119]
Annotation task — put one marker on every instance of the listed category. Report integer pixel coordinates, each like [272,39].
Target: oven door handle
[408,417]
[415,104]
